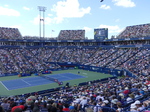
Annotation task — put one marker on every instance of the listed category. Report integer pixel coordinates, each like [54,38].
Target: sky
[73,15]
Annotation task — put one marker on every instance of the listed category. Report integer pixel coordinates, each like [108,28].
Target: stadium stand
[125,94]
[21,60]
[135,31]
[10,33]
[71,35]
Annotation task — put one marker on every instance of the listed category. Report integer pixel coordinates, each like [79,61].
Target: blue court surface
[35,81]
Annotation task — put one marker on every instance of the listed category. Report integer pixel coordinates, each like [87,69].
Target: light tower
[41,9]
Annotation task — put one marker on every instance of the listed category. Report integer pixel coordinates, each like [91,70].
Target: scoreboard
[101,34]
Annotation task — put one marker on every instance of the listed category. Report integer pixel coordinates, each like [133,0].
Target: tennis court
[35,81]
[14,85]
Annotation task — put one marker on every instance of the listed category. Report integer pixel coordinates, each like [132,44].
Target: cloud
[26,8]
[50,14]
[105,7]
[87,29]
[8,12]
[69,9]
[111,29]
[124,3]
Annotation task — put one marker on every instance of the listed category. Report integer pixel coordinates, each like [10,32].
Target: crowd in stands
[14,33]
[87,53]
[77,56]
[10,33]
[22,60]
[38,38]
[71,35]
[139,42]
[140,61]
[75,44]
[67,56]
[7,61]
[126,55]
[114,95]
[136,60]
[136,31]
[56,54]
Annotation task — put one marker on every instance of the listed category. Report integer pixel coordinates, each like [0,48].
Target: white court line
[4,85]
[25,82]
[84,73]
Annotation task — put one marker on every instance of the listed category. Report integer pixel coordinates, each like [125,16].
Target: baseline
[4,86]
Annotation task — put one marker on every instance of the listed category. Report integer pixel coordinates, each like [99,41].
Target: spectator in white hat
[133,108]
[139,105]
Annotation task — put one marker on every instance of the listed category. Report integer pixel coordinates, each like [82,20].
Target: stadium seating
[135,31]
[71,35]
[10,33]
[22,60]
[108,94]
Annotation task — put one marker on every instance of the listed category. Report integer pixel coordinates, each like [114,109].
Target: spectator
[133,108]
